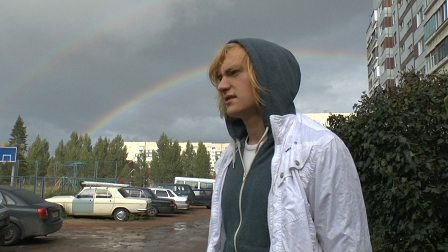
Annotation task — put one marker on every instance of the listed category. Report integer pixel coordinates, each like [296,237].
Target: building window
[410,48]
[435,21]
[437,55]
[395,60]
[419,17]
[420,47]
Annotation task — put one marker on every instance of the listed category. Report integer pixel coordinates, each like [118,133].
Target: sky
[139,68]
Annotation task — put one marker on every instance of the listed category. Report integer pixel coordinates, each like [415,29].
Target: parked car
[179,189]
[102,201]
[30,215]
[4,223]
[203,197]
[159,205]
[182,202]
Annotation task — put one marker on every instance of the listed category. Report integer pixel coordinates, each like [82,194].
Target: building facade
[405,35]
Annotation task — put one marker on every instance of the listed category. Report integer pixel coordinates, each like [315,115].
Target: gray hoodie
[244,204]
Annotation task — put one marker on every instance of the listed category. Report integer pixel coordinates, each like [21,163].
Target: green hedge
[399,141]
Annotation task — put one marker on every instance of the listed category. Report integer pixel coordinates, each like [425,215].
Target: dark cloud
[67,66]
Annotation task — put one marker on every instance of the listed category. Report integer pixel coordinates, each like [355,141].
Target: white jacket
[315,201]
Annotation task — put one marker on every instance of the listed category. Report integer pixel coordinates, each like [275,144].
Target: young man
[285,183]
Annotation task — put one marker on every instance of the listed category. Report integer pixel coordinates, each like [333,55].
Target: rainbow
[127,17]
[150,92]
[300,54]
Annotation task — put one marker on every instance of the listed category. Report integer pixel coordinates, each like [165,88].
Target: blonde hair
[213,75]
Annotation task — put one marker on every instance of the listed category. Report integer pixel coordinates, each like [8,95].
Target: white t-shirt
[250,150]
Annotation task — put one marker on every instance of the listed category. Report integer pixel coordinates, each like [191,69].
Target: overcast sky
[138,68]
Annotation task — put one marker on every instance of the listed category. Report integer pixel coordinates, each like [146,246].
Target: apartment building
[436,35]
[405,35]
[135,148]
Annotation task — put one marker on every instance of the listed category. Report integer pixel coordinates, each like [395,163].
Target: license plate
[55,214]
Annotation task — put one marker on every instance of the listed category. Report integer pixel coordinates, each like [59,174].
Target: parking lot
[184,231]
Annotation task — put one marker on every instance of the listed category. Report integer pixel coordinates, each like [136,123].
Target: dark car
[30,215]
[179,189]
[203,197]
[4,223]
[159,205]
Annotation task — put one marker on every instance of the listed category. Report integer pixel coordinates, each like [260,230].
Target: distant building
[405,35]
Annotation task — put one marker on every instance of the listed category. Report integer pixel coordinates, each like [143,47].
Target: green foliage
[399,142]
[202,167]
[187,160]
[18,139]
[39,152]
[166,162]
[140,172]
[116,151]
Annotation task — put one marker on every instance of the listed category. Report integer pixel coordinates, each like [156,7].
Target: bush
[399,141]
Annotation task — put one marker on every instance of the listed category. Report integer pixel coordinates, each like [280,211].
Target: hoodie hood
[278,72]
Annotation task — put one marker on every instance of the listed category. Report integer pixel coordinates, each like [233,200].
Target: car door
[83,202]
[104,202]
[199,197]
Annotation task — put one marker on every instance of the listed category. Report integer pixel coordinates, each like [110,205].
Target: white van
[196,183]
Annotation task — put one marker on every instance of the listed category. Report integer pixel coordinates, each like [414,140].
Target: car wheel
[12,235]
[152,211]
[121,214]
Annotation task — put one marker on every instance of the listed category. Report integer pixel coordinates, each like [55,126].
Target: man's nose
[223,84]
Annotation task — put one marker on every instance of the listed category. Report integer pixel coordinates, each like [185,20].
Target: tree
[202,167]
[166,163]
[140,173]
[59,157]
[39,152]
[187,160]
[399,142]
[174,162]
[117,153]
[18,139]
[99,153]
[72,148]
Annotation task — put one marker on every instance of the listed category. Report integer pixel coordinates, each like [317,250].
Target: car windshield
[28,196]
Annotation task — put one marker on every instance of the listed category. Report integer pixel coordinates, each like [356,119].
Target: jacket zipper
[241,212]
[244,180]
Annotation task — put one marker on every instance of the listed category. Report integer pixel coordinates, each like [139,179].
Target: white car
[181,201]
[102,201]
